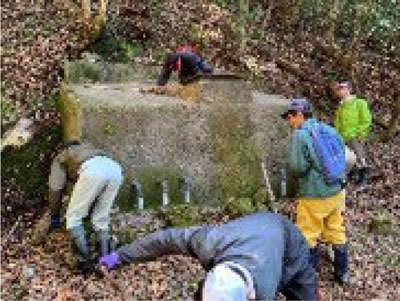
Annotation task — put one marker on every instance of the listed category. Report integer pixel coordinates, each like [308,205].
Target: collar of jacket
[309,123]
[351,97]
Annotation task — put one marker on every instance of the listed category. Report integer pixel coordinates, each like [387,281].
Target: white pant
[99,178]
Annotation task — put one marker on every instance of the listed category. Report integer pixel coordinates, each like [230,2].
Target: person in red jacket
[187,61]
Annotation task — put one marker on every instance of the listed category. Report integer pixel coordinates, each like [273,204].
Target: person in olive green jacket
[353,122]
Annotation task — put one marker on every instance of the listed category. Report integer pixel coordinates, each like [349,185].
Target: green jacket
[304,164]
[353,117]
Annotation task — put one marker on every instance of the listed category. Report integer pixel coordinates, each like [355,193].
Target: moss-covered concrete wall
[233,151]
[71,115]
[218,141]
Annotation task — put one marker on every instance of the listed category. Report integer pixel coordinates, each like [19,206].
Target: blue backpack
[330,152]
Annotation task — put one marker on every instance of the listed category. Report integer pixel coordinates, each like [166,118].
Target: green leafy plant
[110,129]
[117,49]
[9,111]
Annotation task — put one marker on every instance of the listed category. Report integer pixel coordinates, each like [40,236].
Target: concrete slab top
[260,98]
[129,94]
[123,94]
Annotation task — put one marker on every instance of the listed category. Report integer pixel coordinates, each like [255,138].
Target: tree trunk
[100,17]
[363,10]
[393,127]
[92,26]
[85,6]
[333,16]
[267,18]
[243,11]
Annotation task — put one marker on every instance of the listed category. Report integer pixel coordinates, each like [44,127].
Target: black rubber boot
[55,222]
[362,179]
[352,175]
[80,248]
[341,264]
[104,242]
[314,257]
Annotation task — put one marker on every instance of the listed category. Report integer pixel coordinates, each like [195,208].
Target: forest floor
[43,273]
[42,40]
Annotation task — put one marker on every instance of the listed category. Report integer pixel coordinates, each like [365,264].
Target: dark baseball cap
[299,105]
[343,84]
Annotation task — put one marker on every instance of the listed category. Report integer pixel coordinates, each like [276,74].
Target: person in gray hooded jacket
[252,257]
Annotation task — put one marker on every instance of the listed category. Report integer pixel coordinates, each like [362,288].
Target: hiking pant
[303,285]
[188,67]
[358,148]
[98,183]
[321,218]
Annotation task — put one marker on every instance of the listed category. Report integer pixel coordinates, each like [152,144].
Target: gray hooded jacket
[268,245]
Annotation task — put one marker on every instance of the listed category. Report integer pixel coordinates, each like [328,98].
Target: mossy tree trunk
[85,5]
[92,25]
[100,16]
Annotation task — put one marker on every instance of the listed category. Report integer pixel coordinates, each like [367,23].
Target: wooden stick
[269,189]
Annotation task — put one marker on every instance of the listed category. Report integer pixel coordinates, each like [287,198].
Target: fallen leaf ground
[43,273]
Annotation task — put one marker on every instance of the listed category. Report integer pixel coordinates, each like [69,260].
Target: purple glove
[110,260]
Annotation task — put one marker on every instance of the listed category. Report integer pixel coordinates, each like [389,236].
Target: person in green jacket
[353,122]
[319,207]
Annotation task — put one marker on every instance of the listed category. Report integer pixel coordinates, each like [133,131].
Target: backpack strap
[313,136]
